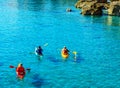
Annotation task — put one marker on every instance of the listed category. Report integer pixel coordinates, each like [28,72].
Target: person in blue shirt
[39,51]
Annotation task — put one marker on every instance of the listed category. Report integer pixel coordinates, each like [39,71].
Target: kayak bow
[20,75]
[64,55]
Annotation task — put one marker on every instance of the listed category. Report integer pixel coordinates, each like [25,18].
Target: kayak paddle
[16,67]
[45,44]
[75,55]
[42,46]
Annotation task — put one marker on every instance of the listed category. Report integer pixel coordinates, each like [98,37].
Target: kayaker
[39,50]
[20,70]
[65,50]
[68,10]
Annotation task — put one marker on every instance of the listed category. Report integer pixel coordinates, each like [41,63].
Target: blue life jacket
[39,51]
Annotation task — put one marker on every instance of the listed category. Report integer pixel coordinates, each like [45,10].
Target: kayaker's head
[20,64]
[64,47]
[39,47]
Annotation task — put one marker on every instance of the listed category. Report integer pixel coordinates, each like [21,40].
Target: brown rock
[114,8]
[92,8]
[95,7]
[101,1]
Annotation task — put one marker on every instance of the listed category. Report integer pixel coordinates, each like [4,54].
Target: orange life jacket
[20,70]
[65,52]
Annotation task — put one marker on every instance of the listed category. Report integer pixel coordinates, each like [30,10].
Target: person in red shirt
[20,71]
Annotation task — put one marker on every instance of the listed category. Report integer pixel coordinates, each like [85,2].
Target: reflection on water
[113,27]
[113,21]
[37,5]
[108,20]
[33,5]
[37,81]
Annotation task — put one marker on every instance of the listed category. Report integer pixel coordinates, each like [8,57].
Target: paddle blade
[45,44]
[11,66]
[74,52]
[28,69]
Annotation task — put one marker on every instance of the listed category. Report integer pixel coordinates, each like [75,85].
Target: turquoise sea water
[25,24]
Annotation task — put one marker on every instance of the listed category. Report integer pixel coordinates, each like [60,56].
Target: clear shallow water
[27,24]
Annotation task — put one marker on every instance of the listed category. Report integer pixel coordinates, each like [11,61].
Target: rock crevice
[95,7]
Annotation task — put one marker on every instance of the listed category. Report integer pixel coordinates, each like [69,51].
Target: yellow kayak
[64,55]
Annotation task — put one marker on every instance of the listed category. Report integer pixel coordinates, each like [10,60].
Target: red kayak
[20,71]
[21,74]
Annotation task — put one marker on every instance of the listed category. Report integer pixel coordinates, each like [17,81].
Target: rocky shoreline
[96,7]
